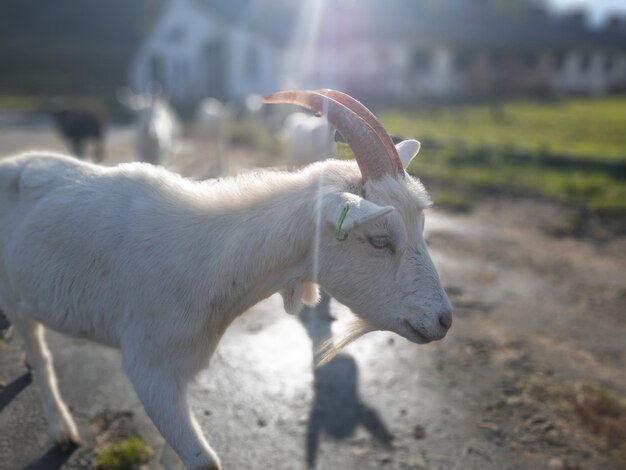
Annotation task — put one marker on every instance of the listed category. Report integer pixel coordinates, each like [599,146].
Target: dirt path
[535,317]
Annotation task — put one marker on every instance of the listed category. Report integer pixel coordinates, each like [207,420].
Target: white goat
[309,139]
[253,107]
[157,126]
[142,259]
[212,119]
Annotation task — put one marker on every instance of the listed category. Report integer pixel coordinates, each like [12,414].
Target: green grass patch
[597,188]
[122,455]
[579,128]
[252,135]
[573,151]
[19,103]
[452,200]
[343,151]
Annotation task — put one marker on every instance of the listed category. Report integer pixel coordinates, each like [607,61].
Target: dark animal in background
[78,127]
[5,325]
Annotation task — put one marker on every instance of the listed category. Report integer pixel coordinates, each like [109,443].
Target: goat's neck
[267,245]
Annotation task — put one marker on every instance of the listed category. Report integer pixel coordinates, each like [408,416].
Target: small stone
[358,441]
[261,422]
[419,432]
[207,413]
[416,463]
[478,451]
[360,451]
[537,420]
[556,464]
[514,400]
[490,426]
[554,441]
[385,459]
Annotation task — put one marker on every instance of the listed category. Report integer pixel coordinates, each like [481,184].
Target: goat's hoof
[213,466]
[65,434]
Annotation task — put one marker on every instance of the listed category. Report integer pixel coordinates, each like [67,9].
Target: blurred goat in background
[78,126]
[157,125]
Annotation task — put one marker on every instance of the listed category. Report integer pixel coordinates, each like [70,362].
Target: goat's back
[84,246]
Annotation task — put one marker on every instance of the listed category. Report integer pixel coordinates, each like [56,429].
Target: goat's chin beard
[329,348]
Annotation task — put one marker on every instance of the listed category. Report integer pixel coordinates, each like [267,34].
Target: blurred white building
[222,49]
[393,50]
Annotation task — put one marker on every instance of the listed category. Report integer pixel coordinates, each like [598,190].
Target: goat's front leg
[60,424]
[164,397]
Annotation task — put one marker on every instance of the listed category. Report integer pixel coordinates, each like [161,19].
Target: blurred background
[520,106]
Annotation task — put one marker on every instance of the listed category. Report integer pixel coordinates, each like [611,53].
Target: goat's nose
[445,319]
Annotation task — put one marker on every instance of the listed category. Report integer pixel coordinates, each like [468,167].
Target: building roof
[463,24]
[271,18]
[469,24]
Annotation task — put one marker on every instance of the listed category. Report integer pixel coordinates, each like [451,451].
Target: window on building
[495,60]
[175,35]
[558,60]
[422,60]
[252,61]
[463,61]
[215,52]
[609,63]
[585,62]
[182,77]
[157,69]
[530,60]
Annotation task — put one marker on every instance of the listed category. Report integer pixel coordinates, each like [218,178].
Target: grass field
[593,129]
[573,150]
[19,103]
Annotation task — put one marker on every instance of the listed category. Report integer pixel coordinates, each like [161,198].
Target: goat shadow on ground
[53,459]
[337,410]
[12,390]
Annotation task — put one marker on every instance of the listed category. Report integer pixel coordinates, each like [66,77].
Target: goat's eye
[380,242]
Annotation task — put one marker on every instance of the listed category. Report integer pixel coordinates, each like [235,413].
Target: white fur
[157,126]
[407,149]
[142,259]
[309,139]
[212,119]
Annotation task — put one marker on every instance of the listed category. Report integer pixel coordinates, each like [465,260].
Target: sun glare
[303,48]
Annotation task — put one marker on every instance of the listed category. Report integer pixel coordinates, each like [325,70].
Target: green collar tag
[338,235]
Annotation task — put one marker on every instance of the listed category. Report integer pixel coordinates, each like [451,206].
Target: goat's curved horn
[365,114]
[369,149]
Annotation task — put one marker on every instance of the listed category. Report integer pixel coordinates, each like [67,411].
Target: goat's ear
[356,211]
[407,150]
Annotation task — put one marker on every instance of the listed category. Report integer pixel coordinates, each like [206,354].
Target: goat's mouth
[413,334]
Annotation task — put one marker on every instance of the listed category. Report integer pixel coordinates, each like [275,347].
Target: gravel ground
[529,308]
